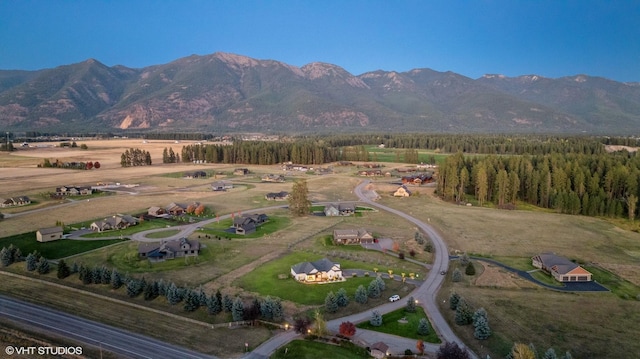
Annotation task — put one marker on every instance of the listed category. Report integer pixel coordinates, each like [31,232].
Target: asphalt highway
[121,342]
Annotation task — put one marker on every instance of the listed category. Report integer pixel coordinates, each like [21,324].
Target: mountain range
[225,92]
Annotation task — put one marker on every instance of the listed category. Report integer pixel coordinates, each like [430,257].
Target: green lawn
[266,280]
[391,325]
[142,226]
[306,349]
[620,287]
[546,278]
[55,249]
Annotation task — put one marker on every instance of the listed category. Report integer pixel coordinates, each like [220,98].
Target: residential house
[176,248]
[221,186]
[49,234]
[241,172]
[402,191]
[562,269]
[196,174]
[379,350]
[248,223]
[418,179]
[352,236]
[277,196]
[119,221]
[370,173]
[322,270]
[156,211]
[273,178]
[15,201]
[341,209]
[74,191]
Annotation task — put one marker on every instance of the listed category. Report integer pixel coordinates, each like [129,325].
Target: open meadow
[590,325]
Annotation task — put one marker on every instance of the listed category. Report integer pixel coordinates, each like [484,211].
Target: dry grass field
[590,325]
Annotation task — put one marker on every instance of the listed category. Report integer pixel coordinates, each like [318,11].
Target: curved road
[137,346]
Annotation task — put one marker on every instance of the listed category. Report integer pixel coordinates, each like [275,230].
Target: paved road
[425,294]
[124,343]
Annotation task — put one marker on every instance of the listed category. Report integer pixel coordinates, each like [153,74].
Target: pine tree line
[135,157]
[591,185]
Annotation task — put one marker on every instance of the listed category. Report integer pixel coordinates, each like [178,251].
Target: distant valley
[229,93]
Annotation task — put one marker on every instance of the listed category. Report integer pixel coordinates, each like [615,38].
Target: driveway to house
[566,287]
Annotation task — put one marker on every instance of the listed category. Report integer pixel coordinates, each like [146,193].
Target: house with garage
[49,234]
[320,271]
[220,186]
[248,223]
[73,191]
[277,196]
[176,248]
[273,178]
[156,211]
[402,191]
[352,236]
[195,174]
[562,269]
[15,201]
[341,209]
[119,221]
[241,172]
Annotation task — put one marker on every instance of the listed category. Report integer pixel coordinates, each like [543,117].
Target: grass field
[403,324]
[53,250]
[306,349]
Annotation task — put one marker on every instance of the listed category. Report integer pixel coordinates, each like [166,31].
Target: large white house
[322,270]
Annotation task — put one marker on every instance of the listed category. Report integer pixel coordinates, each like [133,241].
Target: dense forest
[603,184]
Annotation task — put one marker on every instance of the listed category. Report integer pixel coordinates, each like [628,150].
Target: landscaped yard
[306,349]
[404,324]
[273,278]
[55,249]
[219,228]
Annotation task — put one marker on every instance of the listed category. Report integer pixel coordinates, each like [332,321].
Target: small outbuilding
[49,234]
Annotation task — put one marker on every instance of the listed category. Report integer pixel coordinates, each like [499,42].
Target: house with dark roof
[320,271]
[74,191]
[277,196]
[352,236]
[15,201]
[176,248]
[219,186]
[273,178]
[379,350]
[118,221]
[248,223]
[562,269]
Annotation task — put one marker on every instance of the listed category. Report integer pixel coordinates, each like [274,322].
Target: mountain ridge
[225,92]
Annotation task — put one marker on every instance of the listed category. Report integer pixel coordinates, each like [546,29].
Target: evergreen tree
[568,355]
[16,253]
[133,288]
[43,266]
[373,290]
[454,298]
[106,276]
[464,315]
[74,268]
[451,350]
[550,354]
[477,314]
[482,330]
[31,262]
[361,295]
[173,296]
[237,309]
[6,258]
[342,298]
[116,280]
[380,283]
[331,303]
[63,270]
[457,275]
[411,305]
[227,303]
[423,326]
[191,301]
[376,319]
[277,309]
[213,305]
[470,269]
[299,203]
[84,274]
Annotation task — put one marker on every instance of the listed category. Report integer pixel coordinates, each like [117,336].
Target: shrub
[376,319]
[470,270]
[347,329]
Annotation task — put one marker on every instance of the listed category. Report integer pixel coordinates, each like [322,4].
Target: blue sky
[551,38]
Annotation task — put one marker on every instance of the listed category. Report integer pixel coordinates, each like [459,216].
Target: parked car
[443,272]
[394,298]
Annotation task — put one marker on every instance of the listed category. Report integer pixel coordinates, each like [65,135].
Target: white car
[394,298]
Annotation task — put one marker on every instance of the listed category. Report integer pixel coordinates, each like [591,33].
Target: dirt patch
[497,277]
